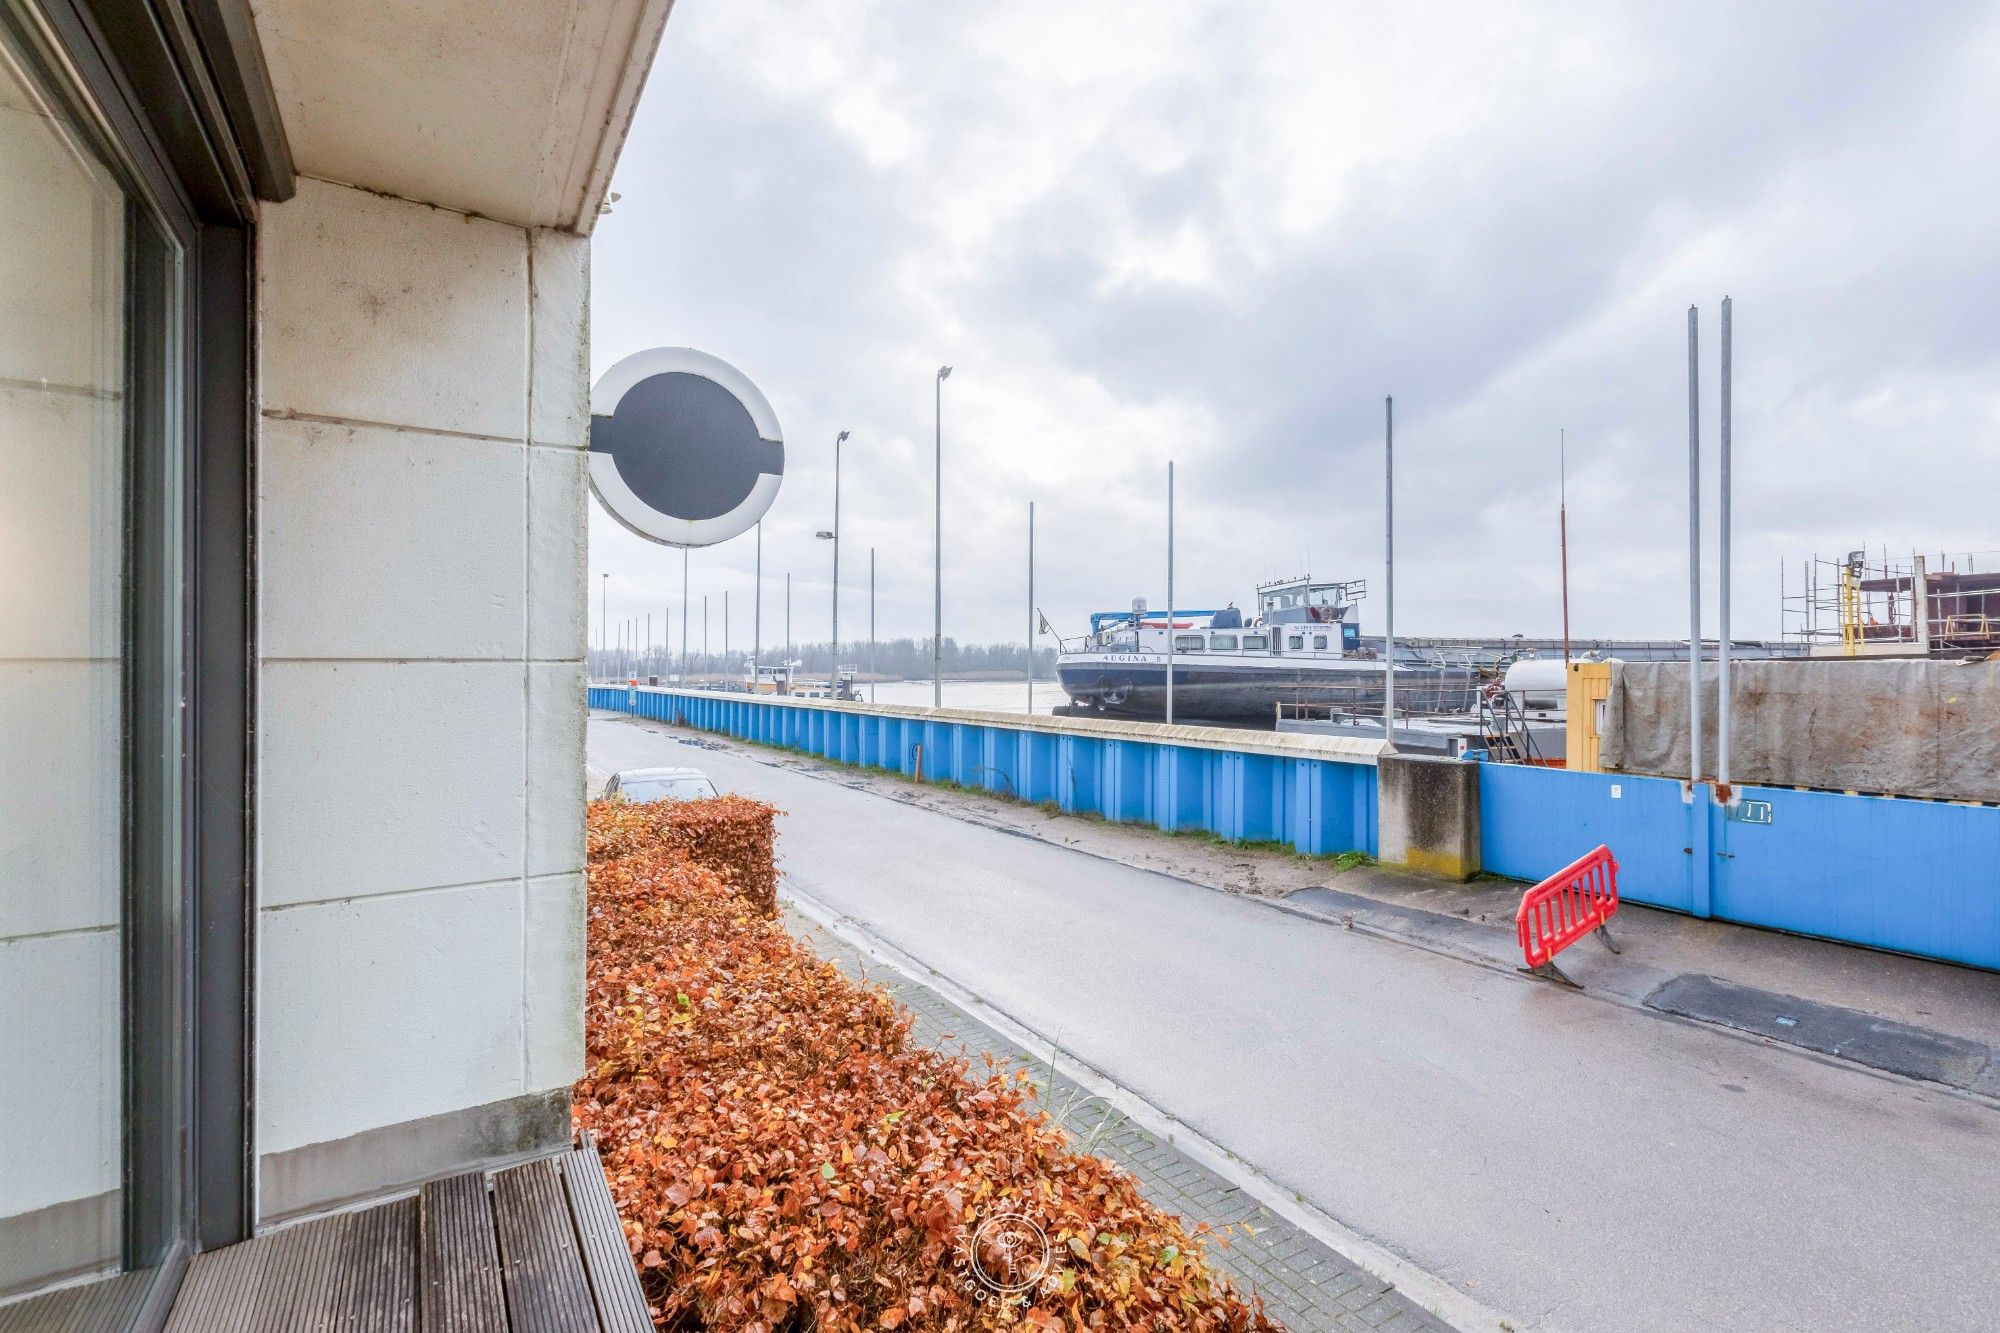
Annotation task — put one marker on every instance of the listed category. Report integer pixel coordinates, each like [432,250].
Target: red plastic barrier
[1566,906]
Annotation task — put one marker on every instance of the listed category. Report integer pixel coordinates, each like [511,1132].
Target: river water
[993,696]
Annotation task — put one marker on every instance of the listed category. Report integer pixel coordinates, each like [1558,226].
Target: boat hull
[1215,689]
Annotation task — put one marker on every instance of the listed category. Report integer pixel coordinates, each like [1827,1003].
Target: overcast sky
[1221,232]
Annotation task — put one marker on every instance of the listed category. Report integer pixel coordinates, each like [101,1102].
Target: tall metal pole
[1170,593]
[1694,547]
[647,659]
[871,624]
[705,661]
[838,440]
[684,617]
[1031,606]
[1722,604]
[725,630]
[604,622]
[1562,527]
[757,612]
[937,568]
[788,624]
[1389,571]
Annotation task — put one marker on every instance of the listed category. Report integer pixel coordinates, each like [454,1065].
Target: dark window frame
[180,87]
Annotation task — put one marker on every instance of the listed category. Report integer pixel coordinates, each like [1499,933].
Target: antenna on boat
[1562,527]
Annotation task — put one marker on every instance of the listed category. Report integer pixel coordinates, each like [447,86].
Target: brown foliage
[785,1157]
[731,835]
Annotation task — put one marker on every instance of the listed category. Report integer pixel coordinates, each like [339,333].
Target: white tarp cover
[1905,727]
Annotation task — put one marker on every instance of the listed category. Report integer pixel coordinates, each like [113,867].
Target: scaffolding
[1865,604]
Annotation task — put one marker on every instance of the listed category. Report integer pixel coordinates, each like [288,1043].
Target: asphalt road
[1573,1164]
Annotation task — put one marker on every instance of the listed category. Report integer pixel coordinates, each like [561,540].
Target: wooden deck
[536,1248]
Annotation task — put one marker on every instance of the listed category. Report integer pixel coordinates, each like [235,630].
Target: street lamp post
[937,567]
[1031,606]
[871,624]
[604,622]
[1389,571]
[1170,593]
[838,440]
[757,612]
[684,617]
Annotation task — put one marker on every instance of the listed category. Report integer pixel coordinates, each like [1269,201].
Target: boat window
[1187,643]
[1222,642]
[1319,643]
[1258,642]
[1298,641]
[1322,597]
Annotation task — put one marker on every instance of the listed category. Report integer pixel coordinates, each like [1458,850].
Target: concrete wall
[420,745]
[1430,814]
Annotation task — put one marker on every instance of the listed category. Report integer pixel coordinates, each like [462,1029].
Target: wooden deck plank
[375,1271]
[459,1257]
[607,1259]
[225,1288]
[294,1283]
[49,1310]
[112,1303]
[109,1302]
[541,1266]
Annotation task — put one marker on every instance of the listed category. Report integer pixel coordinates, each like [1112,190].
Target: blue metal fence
[1914,876]
[1297,790]
[1919,877]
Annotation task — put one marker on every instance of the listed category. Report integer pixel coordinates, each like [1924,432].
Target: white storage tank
[1538,684]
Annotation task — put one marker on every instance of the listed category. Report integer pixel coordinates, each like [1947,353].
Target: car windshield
[667,789]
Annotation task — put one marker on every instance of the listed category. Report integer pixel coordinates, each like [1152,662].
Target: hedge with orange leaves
[785,1157]
[730,835]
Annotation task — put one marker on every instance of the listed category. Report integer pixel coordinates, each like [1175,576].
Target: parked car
[641,785]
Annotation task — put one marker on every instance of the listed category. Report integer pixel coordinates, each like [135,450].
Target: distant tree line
[908,659]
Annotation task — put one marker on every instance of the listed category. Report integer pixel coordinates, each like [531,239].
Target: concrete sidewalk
[1304,1284]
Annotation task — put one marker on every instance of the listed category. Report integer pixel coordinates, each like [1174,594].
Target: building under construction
[1942,605]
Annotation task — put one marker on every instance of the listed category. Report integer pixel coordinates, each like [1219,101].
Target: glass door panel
[92,1081]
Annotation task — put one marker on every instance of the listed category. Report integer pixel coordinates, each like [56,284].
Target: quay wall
[1913,876]
[1314,793]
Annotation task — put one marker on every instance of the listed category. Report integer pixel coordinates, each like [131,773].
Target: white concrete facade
[421,548]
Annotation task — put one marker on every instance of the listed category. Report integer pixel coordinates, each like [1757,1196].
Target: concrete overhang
[514,111]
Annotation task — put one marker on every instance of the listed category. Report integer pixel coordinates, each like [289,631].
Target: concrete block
[61,797]
[377,309]
[559,376]
[556,714]
[376,1011]
[59,1047]
[558,551]
[380,543]
[1429,813]
[552,990]
[380,777]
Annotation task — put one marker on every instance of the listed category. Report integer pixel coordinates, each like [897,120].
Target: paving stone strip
[1304,1284]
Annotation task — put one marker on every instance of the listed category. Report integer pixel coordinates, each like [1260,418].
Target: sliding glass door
[94,937]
